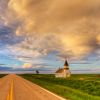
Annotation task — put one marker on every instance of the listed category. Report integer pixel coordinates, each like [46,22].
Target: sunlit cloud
[44,19]
[37,28]
[27,65]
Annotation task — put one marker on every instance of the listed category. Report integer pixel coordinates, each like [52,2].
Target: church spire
[66,65]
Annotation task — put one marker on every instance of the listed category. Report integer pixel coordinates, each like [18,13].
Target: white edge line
[51,93]
[46,90]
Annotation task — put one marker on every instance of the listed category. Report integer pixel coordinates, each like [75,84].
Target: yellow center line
[10,94]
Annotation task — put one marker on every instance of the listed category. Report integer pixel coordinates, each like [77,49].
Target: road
[13,87]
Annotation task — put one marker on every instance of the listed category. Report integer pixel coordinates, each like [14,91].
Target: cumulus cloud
[33,66]
[27,65]
[49,15]
[69,27]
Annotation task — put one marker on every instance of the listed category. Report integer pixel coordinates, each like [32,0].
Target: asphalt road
[13,87]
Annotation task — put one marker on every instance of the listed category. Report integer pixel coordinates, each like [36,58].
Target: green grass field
[78,87]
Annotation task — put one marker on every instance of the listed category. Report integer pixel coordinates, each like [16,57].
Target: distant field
[78,87]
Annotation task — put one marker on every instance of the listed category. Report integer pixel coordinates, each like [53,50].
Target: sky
[41,34]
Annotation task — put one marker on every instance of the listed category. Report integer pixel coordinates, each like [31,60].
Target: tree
[37,72]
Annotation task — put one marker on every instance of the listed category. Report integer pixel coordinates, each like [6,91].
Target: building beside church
[63,72]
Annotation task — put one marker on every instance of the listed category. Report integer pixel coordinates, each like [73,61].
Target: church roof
[66,63]
[61,70]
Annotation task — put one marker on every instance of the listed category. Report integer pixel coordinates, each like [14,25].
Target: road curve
[13,87]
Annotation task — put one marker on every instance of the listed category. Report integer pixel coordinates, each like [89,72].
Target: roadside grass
[2,75]
[73,89]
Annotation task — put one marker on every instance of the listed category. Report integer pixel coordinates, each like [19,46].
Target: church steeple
[66,65]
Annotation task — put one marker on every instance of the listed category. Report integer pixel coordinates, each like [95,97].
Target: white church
[63,72]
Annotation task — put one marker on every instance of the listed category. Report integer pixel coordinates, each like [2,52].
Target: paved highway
[13,87]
